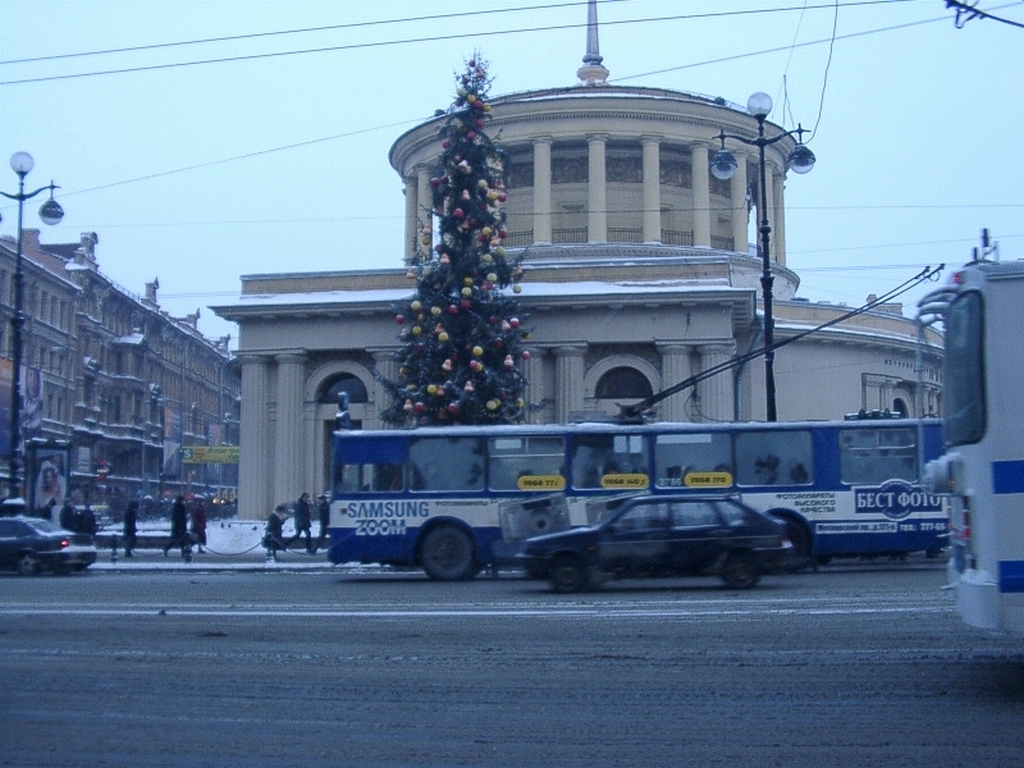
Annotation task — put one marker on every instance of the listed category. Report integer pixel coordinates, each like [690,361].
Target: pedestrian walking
[303,522]
[130,530]
[86,521]
[273,536]
[323,513]
[66,518]
[179,529]
[199,523]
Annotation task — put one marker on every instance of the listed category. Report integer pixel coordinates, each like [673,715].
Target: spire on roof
[592,72]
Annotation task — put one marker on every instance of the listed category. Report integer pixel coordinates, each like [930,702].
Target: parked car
[29,545]
[660,536]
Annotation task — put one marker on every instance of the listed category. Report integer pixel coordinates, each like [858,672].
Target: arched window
[899,406]
[623,382]
[344,382]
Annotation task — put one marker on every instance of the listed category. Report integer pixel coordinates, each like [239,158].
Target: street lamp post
[723,166]
[50,213]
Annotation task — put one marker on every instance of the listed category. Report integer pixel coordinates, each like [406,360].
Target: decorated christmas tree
[462,332]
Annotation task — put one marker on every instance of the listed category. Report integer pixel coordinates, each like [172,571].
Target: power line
[299,31]
[457,36]
[965,13]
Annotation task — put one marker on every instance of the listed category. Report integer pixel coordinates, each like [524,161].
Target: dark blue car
[661,536]
[29,545]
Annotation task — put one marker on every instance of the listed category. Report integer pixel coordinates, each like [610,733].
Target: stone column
[289,458]
[568,381]
[542,189]
[675,367]
[651,153]
[533,391]
[411,229]
[701,195]
[716,393]
[387,366]
[597,191]
[740,216]
[424,195]
[770,208]
[254,462]
[779,222]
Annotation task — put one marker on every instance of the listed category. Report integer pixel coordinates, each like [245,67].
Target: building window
[623,382]
[348,383]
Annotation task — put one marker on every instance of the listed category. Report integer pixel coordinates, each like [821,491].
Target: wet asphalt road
[857,665]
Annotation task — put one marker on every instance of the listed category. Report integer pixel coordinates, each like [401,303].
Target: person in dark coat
[273,536]
[199,522]
[66,518]
[86,520]
[179,529]
[303,522]
[323,512]
[131,516]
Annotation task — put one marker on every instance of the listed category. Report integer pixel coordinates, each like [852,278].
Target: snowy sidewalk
[230,545]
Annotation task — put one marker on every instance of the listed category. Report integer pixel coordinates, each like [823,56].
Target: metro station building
[638,274]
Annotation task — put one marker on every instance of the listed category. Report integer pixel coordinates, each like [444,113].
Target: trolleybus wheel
[447,554]
[796,531]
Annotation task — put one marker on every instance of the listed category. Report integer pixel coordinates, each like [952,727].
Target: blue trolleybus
[455,500]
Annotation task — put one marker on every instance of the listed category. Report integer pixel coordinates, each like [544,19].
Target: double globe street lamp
[50,213]
[723,166]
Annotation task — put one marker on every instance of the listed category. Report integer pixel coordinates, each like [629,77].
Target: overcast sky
[207,140]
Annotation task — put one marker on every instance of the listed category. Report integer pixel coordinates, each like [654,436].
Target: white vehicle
[982,471]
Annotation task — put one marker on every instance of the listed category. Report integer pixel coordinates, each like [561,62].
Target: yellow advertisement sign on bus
[708,480]
[540,483]
[626,481]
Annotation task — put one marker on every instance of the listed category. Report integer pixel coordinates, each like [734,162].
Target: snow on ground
[235,543]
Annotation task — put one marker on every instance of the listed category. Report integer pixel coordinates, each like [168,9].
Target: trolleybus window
[609,461]
[446,464]
[368,478]
[774,458]
[693,460]
[527,463]
[872,456]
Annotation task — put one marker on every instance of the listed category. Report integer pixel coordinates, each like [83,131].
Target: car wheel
[741,571]
[569,574]
[447,554]
[28,564]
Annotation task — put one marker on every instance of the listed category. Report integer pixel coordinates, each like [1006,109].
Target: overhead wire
[428,39]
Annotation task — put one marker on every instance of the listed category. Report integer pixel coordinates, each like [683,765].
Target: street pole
[49,213]
[723,166]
